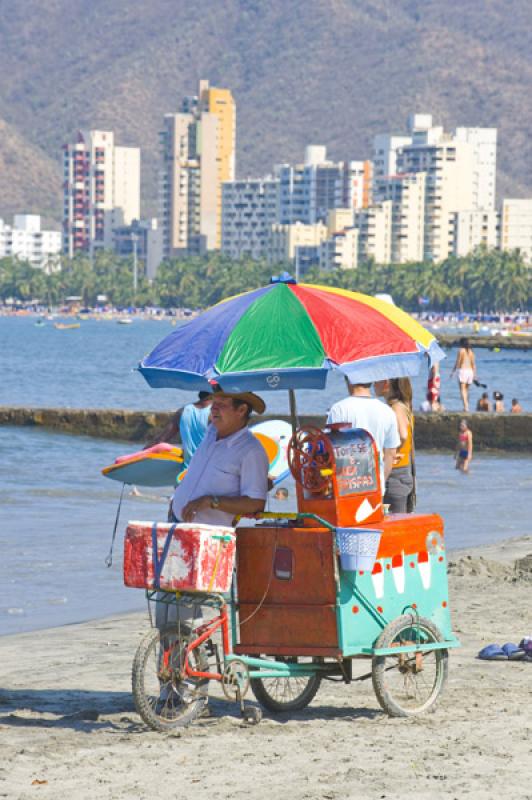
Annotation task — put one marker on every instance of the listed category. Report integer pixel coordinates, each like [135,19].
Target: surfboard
[278,431]
[147,468]
[158,467]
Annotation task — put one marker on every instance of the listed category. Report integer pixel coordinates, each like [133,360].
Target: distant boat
[63,326]
[124,321]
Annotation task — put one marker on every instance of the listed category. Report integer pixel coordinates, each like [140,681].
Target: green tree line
[483,281]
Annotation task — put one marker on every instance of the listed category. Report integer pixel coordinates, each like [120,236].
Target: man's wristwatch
[215,501]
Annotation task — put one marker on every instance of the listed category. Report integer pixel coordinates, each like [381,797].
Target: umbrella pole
[293,413]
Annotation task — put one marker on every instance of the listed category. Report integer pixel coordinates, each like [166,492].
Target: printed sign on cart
[355,462]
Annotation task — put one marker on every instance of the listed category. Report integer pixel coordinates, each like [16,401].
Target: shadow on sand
[87,711]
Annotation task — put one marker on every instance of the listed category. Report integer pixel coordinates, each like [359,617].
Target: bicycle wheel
[407,684]
[162,698]
[286,694]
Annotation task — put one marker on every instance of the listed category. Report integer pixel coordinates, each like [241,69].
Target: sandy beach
[68,728]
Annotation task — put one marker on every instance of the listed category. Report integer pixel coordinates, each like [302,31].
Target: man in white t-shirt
[361,410]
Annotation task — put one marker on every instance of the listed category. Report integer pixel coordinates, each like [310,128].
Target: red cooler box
[161,555]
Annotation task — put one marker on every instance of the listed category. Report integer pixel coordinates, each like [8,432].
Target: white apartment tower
[460,175]
[448,165]
[374,226]
[484,144]
[198,156]
[407,195]
[101,190]
[26,240]
[308,191]
[474,229]
[249,209]
[516,226]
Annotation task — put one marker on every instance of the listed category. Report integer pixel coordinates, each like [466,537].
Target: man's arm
[169,431]
[388,457]
[231,505]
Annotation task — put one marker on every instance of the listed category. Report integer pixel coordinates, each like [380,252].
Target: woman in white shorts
[466,369]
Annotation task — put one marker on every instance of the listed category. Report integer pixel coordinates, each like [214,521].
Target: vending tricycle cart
[312,591]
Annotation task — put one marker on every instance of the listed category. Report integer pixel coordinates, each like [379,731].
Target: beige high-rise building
[407,194]
[475,229]
[516,226]
[448,164]
[460,176]
[198,151]
[101,190]
[285,240]
[374,226]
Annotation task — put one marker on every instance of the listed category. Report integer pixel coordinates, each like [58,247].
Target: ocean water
[94,366]
[57,514]
[57,511]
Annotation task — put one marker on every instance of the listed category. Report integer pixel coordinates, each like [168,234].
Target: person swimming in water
[498,399]
[516,406]
[466,368]
[464,450]
[484,403]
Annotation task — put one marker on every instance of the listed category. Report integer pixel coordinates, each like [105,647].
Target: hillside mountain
[334,72]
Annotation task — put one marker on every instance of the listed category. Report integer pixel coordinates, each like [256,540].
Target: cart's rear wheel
[407,684]
[286,694]
[163,699]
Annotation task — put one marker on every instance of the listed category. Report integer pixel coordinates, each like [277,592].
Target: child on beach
[434,386]
[464,450]
[516,406]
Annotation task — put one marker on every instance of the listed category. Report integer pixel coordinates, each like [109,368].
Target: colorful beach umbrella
[289,335]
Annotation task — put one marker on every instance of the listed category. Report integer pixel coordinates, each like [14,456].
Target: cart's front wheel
[409,683]
[286,694]
[163,698]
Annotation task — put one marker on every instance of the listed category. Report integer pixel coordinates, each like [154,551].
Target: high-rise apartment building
[308,191]
[407,195]
[101,190]
[286,240]
[198,153]
[460,175]
[141,240]
[474,229]
[27,241]
[516,226]
[448,165]
[340,249]
[374,226]
[484,144]
[249,209]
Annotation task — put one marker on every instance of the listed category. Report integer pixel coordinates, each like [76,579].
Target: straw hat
[257,403]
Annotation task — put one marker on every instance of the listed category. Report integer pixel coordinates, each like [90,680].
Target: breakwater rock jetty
[507,432]
[485,342]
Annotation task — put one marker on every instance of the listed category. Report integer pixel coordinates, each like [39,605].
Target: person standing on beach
[516,406]
[400,486]
[466,368]
[361,410]
[464,450]
[191,421]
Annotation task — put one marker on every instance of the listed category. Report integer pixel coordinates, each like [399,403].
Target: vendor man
[228,474]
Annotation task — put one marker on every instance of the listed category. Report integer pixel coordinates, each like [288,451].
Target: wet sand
[68,728]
